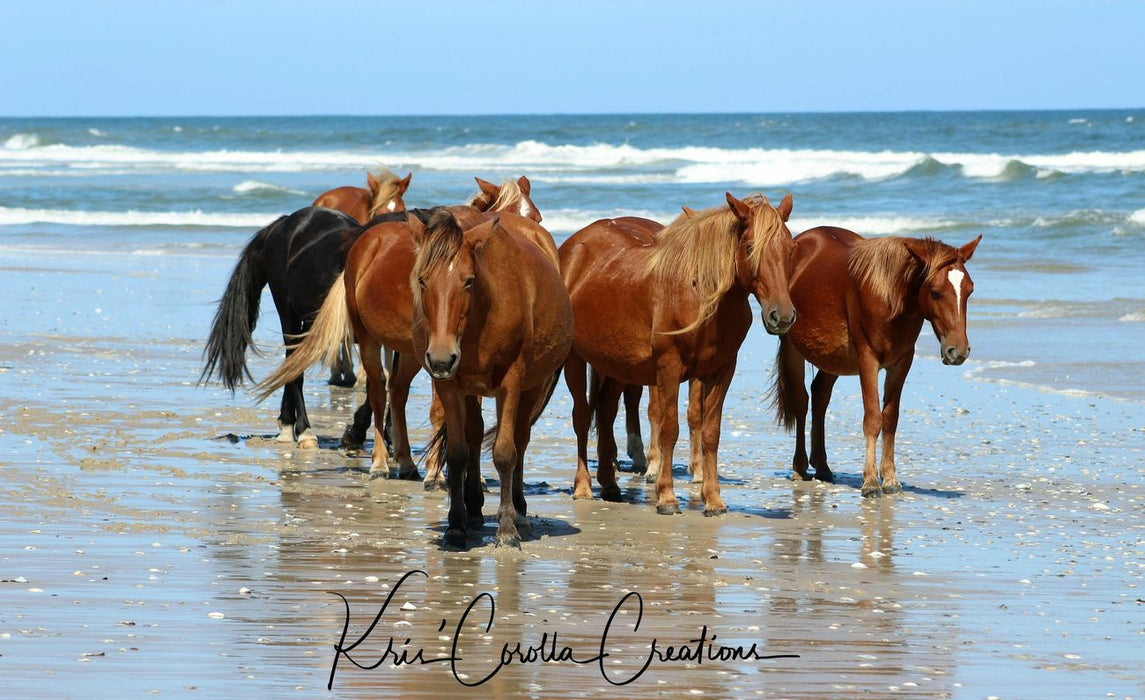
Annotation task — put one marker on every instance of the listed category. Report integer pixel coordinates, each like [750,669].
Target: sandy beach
[155,539]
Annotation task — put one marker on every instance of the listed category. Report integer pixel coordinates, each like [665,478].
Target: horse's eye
[421,282]
[468,283]
[935,295]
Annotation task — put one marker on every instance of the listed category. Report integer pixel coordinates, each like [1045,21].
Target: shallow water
[156,538]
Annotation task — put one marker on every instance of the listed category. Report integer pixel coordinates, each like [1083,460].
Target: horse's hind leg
[635,444]
[653,470]
[793,402]
[434,459]
[401,377]
[608,398]
[872,421]
[892,394]
[354,437]
[695,427]
[821,387]
[342,373]
[371,355]
[293,401]
[576,378]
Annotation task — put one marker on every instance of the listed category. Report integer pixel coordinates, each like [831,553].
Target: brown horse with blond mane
[862,304]
[383,196]
[371,303]
[491,317]
[659,311]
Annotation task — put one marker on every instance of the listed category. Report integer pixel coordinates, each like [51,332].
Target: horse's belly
[827,346]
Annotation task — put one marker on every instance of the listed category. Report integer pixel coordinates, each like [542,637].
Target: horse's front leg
[653,471]
[668,385]
[712,393]
[872,421]
[457,465]
[892,394]
[474,483]
[576,378]
[401,376]
[635,444]
[505,459]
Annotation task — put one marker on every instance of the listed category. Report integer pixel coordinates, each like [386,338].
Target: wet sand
[155,539]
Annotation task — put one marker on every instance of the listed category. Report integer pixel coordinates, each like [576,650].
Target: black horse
[299,256]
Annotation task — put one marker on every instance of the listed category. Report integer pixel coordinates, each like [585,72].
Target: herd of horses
[480,296]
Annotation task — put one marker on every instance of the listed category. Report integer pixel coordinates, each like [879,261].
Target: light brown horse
[491,318]
[384,196]
[663,312]
[862,304]
[371,303]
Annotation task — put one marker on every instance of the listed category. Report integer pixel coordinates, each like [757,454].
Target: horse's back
[820,289]
[377,282]
[353,201]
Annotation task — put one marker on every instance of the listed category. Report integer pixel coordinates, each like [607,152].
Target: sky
[377,57]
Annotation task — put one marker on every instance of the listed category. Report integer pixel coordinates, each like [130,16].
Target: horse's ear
[741,209]
[688,211]
[371,181]
[968,250]
[493,233]
[524,184]
[416,228]
[403,184]
[919,248]
[784,208]
[487,187]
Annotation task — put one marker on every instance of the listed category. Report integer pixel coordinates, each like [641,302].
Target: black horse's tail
[232,328]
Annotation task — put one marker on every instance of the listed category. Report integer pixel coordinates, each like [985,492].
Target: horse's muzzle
[776,323]
[442,368]
[952,355]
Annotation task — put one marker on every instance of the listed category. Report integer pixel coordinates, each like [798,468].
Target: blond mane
[887,267]
[509,196]
[701,247]
[388,190]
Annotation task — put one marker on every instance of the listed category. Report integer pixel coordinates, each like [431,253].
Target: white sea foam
[1137,217]
[17,216]
[566,221]
[248,186]
[1135,317]
[760,167]
[21,142]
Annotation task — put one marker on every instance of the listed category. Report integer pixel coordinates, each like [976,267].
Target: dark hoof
[611,495]
[872,491]
[714,512]
[892,488]
[350,441]
[672,508]
[651,477]
[456,538]
[410,476]
[825,475]
[343,381]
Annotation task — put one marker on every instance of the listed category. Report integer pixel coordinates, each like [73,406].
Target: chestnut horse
[384,196]
[371,303]
[862,304]
[491,317]
[661,312]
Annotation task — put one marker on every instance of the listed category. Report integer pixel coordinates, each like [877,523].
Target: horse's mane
[509,196]
[888,268]
[388,189]
[441,244]
[701,246]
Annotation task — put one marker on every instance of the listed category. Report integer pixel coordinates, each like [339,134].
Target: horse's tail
[595,384]
[780,392]
[235,319]
[331,331]
[490,435]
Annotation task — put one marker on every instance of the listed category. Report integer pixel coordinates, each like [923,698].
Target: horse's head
[386,192]
[443,286]
[510,195]
[765,256]
[942,296]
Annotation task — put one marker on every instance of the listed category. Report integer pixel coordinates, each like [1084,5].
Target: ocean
[1059,197]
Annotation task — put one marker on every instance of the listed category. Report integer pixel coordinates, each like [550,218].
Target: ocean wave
[73,217]
[1135,317]
[687,164]
[1137,217]
[250,186]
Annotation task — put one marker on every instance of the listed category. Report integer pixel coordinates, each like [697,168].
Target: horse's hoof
[612,495]
[582,494]
[872,491]
[379,473]
[410,475]
[432,485]
[523,522]
[456,538]
[509,540]
[343,381]
[825,475]
[651,477]
[892,488]
[697,478]
[800,476]
[715,512]
[308,443]
[671,508]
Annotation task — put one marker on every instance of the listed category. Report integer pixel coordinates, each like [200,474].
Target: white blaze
[391,206]
[956,277]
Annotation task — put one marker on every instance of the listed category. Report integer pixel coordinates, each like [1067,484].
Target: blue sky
[271,57]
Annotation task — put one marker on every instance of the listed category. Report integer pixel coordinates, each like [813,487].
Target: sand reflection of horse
[371,303]
[862,304]
[491,317]
[660,309]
